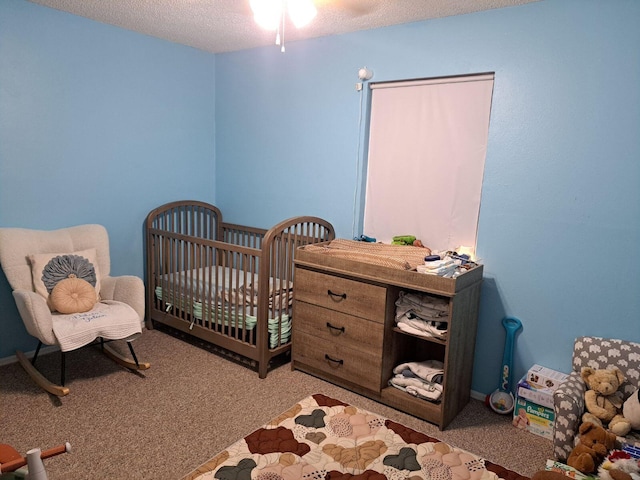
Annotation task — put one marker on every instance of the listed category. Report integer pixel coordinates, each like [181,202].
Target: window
[427,147]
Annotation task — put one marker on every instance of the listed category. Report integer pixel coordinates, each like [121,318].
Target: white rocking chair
[35,261]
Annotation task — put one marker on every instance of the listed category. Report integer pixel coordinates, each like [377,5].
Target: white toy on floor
[12,461]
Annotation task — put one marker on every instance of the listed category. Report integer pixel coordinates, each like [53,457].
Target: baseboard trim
[52,348]
[478,395]
[14,359]
[44,350]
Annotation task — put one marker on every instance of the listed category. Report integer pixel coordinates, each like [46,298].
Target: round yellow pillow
[73,295]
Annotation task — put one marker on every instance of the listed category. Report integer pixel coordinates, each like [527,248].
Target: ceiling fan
[271,15]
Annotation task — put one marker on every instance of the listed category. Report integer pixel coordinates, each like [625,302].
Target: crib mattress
[197,283]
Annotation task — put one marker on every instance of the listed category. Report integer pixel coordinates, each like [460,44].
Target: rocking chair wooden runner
[65,296]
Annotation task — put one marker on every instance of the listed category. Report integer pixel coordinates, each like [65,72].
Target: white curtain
[427,147]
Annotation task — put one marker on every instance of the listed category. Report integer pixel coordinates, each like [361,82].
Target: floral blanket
[323,438]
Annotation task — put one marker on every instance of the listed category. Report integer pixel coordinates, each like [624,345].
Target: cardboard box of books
[543,377]
[541,396]
[566,470]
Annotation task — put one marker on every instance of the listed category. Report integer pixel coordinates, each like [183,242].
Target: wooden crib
[227,284]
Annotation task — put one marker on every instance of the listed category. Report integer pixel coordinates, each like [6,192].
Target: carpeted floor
[191,404]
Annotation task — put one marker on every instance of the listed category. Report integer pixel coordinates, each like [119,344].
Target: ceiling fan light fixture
[270,14]
[301,12]
[267,13]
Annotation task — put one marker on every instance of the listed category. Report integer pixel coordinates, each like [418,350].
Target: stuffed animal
[631,410]
[619,465]
[403,240]
[594,442]
[603,400]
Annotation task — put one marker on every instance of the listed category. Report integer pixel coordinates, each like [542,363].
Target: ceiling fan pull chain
[283,20]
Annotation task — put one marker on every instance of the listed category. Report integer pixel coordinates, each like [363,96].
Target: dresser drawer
[329,326]
[338,359]
[341,294]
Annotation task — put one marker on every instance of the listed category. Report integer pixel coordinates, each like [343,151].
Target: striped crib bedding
[232,304]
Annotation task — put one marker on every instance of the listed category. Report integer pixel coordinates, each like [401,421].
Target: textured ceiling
[227,25]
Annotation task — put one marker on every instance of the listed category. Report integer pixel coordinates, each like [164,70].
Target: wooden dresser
[344,330]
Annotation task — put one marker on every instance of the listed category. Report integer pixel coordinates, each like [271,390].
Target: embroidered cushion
[47,269]
[73,295]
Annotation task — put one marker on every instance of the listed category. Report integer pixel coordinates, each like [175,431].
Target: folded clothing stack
[444,268]
[420,379]
[423,315]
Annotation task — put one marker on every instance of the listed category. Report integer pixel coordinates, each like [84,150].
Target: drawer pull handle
[339,329]
[333,360]
[336,296]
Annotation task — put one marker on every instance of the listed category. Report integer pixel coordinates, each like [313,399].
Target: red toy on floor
[11,460]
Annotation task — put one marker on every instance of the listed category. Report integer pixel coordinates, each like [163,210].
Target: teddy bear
[594,442]
[603,400]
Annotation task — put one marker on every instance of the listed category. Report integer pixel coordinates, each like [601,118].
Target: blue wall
[97,125]
[560,214]
[560,207]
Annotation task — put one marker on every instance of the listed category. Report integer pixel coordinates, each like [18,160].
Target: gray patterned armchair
[568,399]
